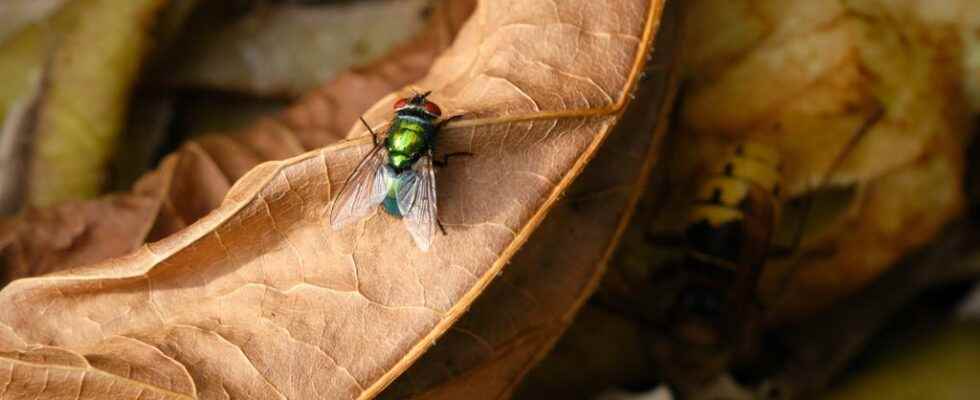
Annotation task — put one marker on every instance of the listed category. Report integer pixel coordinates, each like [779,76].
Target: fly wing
[364,190]
[417,202]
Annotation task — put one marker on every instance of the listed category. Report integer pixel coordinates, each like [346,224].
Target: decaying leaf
[22,62]
[24,69]
[38,241]
[195,180]
[147,127]
[878,234]
[802,77]
[941,365]
[81,109]
[288,49]
[972,60]
[660,393]
[951,25]
[326,115]
[819,349]
[15,140]
[259,299]
[601,350]
[485,355]
[16,14]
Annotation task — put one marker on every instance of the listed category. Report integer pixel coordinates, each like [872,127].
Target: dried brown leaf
[78,233]
[520,316]
[259,299]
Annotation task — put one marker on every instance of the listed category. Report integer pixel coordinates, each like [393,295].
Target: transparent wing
[417,202]
[364,190]
[797,257]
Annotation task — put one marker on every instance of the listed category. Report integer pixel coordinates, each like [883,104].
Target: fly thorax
[406,141]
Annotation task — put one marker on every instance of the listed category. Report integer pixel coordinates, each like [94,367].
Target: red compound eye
[401,103]
[432,108]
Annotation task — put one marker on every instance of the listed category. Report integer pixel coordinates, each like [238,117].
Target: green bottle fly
[398,173]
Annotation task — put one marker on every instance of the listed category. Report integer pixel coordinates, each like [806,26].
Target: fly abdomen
[393,182]
[390,205]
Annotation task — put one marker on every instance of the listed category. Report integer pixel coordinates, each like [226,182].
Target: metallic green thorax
[410,137]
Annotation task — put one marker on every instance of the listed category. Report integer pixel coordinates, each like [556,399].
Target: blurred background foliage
[84,79]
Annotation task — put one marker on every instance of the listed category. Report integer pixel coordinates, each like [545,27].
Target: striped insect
[729,228]
[715,316]
[398,173]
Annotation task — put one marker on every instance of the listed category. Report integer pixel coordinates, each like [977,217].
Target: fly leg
[374,136]
[450,119]
[445,158]
[441,228]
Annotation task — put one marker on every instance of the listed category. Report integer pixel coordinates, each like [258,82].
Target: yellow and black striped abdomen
[735,211]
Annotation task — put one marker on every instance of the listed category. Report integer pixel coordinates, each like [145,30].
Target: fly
[398,173]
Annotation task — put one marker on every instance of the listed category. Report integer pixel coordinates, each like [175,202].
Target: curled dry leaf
[194,180]
[520,316]
[78,233]
[288,49]
[259,299]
